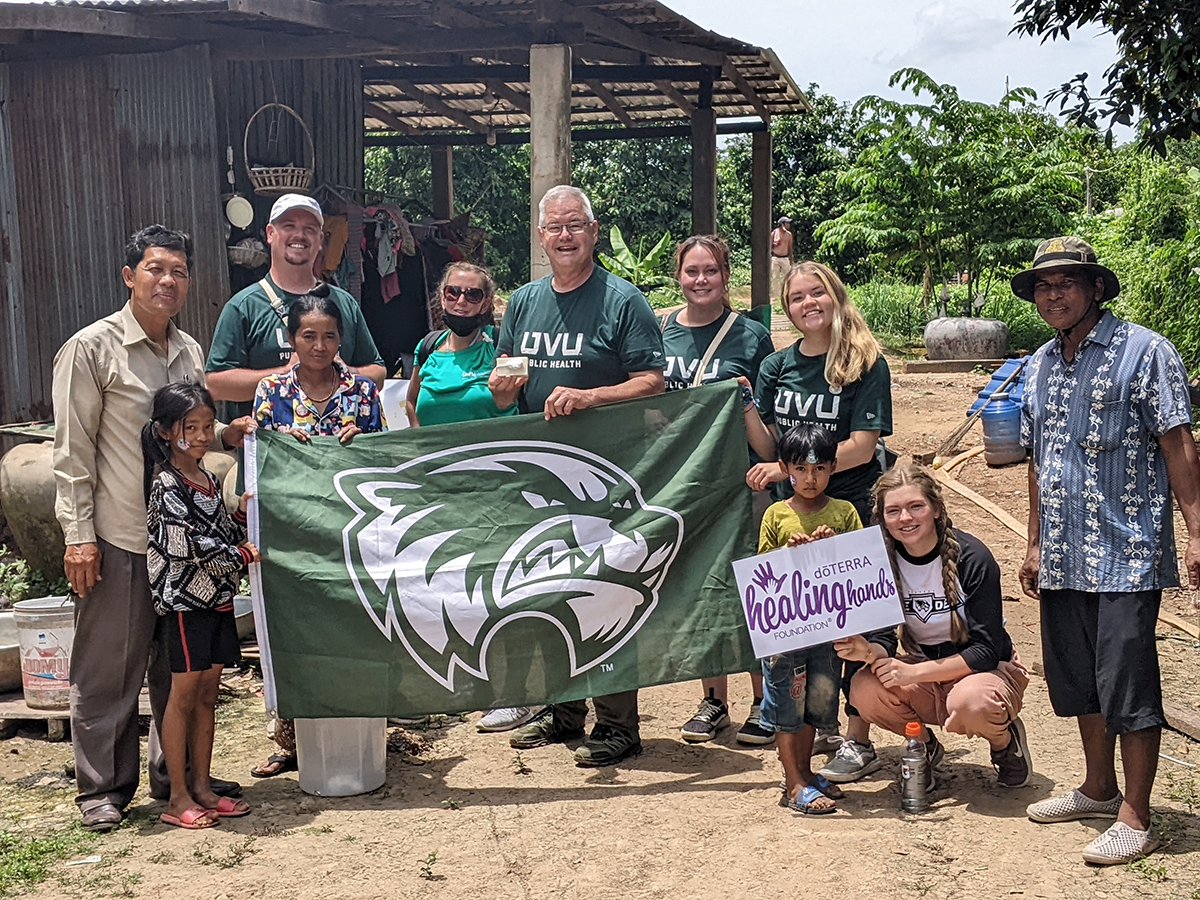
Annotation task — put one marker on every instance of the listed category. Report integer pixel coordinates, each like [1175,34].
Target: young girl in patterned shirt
[195,558]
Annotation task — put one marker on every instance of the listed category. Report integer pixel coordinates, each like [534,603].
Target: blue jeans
[801,688]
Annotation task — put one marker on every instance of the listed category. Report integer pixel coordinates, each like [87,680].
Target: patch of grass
[234,856]
[162,857]
[427,864]
[1183,790]
[518,764]
[1147,869]
[26,860]
[451,804]
[319,829]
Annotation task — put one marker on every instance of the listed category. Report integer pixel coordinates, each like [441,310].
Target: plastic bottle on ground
[912,771]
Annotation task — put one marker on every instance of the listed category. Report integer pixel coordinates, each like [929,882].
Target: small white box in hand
[512,366]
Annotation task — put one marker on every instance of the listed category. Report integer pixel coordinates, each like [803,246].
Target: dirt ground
[459,820]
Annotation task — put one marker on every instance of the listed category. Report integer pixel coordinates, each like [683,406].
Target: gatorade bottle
[912,771]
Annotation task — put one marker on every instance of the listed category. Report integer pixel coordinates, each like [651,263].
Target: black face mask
[462,325]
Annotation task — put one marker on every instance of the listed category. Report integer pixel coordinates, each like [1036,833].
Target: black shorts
[1100,656]
[199,639]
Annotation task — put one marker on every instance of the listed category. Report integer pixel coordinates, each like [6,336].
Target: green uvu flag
[504,562]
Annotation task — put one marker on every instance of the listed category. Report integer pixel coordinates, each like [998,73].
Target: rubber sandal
[195,818]
[803,802]
[1120,844]
[229,809]
[828,788]
[282,761]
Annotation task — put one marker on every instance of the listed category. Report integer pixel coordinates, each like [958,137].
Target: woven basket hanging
[271,181]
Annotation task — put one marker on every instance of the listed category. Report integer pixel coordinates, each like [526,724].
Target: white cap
[297,201]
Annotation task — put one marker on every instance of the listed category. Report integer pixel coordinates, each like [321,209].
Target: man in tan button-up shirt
[105,377]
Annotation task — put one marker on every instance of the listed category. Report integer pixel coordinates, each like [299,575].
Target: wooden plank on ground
[983,503]
[1181,719]
[943,366]
[1176,622]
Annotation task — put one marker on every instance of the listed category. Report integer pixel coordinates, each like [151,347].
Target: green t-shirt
[593,336]
[780,522]
[792,389]
[741,351]
[251,335]
[454,383]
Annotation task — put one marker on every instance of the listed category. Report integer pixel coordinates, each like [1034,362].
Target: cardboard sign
[797,597]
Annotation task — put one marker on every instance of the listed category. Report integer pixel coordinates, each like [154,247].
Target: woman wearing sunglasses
[450,378]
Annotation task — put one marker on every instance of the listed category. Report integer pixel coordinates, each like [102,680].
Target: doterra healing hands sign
[797,597]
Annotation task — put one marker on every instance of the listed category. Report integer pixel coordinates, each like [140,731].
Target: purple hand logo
[765,578]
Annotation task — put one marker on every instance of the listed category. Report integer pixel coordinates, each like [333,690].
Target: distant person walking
[781,253]
[1107,416]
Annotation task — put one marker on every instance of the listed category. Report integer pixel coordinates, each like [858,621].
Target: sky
[851,49]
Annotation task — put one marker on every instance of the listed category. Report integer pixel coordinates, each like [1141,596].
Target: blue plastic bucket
[1002,432]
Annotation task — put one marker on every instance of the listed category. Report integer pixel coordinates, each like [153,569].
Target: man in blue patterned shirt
[1107,416]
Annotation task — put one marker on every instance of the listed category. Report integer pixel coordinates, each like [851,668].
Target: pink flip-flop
[192,819]
[228,809]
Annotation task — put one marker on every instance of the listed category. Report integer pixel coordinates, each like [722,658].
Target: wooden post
[704,162]
[760,219]
[441,166]
[549,135]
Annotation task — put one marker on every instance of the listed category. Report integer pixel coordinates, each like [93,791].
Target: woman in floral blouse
[318,396]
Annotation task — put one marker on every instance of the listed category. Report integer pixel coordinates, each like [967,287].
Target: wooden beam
[378,111]
[108,23]
[387,42]
[439,107]
[513,96]
[613,30]
[325,16]
[983,503]
[760,219]
[578,135]
[606,97]
[730,71]
[1181,719]
[609,54]
[669,91]
[1183,625]
[476,74]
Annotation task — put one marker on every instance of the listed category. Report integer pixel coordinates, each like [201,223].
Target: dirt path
[680,821]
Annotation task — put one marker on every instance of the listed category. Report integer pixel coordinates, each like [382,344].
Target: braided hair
[908,474]
[171,404]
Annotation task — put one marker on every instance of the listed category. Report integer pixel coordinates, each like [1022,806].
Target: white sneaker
[1120,844]
[1073,805]
[508,718]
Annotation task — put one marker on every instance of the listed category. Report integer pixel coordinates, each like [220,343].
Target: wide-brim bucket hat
[1064,252]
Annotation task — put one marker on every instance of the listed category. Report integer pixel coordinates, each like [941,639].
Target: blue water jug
[1002,432]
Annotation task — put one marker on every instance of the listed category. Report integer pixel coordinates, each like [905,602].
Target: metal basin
[10,654]
[243,611]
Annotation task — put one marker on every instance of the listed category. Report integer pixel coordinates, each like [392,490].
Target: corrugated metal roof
[747,80]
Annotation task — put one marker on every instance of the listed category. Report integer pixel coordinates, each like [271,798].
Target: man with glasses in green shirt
[591,339]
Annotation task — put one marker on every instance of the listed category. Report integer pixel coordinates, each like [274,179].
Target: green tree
[953,186]
[1152,241]
[1155,77]
[807,154]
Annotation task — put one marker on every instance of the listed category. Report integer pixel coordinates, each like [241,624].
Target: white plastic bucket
[340,757]
[46,630]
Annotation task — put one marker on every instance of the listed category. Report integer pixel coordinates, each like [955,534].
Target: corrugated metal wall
[92,149]
[171,166]
[12,319]
[67,174]
[326,93]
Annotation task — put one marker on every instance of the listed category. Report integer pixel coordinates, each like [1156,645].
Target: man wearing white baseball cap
[251,342]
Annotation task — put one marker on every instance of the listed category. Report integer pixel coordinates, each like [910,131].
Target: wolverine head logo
[447,549]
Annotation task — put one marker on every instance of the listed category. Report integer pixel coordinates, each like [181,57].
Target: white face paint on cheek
[792,480]
[183,445]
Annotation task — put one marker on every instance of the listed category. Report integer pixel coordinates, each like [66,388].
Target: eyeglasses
[453,292]
[571,228]
[1045,288]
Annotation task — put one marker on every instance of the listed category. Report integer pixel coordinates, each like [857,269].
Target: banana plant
[636,268]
